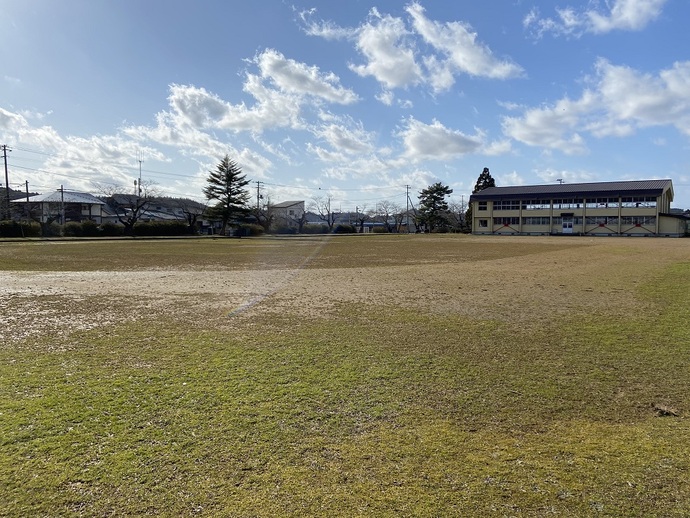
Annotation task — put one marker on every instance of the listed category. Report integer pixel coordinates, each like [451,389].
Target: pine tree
[484,181]
[226,185]
[433,207]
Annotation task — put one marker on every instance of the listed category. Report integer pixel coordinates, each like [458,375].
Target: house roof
[286,204]
[631,188]
[63,196]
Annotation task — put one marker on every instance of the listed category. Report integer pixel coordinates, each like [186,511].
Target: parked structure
[634,208]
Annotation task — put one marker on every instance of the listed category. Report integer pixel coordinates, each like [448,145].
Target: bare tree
[129,208]
[362,215]
[321,206]
[385,212]
[192,211]
[456,216]
[265,216]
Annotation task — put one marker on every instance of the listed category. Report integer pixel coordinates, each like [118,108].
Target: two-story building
[630,208]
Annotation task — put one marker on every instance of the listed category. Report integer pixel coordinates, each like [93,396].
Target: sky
[358,102]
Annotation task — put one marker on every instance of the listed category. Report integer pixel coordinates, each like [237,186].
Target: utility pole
[8,213]
[140,158]
[407,207]
[62,205]
[258,194]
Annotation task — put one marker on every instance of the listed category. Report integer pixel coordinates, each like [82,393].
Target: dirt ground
[594,274]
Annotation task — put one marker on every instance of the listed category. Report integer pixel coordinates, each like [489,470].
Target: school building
[634,208]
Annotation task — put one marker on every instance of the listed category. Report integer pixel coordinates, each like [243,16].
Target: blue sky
[349,100]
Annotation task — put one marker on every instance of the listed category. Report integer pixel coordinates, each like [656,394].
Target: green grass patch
[369,411]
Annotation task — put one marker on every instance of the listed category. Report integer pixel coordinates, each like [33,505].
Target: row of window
[577,220]
[565,203]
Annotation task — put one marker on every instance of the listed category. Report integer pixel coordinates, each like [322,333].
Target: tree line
[226,186]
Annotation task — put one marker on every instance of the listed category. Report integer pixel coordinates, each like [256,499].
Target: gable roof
[286,204]
[630,188]
[63,196]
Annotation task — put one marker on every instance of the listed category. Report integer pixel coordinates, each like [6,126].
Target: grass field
[416,375]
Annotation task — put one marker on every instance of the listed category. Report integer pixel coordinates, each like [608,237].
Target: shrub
[315,229]
[161,228]
[10,228]
[90,228]
[51,229]
[249,229]
[111,230]
[344,229]
[72,229]
[284,230]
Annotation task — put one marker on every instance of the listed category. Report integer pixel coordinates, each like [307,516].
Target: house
[630,208]
[289,214]
[61,206]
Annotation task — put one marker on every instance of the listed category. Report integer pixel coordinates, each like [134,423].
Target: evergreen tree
[226,185]
[484,181]
[433,207]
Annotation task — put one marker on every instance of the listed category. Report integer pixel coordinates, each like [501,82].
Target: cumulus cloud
[619,101]
[436,142]
[383,41]
[461,52]
[298,78]
[625,15]
[551,127]
[347,139]
[391,47]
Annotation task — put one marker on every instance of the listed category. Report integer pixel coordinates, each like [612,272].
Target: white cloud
[551,127]
[626,15]
[390,57]
[436,142]
[13,81]
[348,139]
[458,44]
[630,15]
[644,100]
[390,48]
[297,78]
[510,179]
[550,175]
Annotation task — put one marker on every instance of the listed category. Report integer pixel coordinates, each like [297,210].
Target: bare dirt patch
[483,277]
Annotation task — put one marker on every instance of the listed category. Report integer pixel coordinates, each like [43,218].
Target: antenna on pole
[560,180]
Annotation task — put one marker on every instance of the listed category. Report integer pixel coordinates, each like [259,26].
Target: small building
[289,214]
[62,206]
[630,208]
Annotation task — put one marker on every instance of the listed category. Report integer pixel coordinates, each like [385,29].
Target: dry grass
[358,375]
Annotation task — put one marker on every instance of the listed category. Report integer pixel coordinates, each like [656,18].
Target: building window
[291,212]
[481,205]
[507,205]
[646,202]
[567,204]
[602,203]
[506,221]
[602,220]
[483,223]
[536,204]
[638,220]
[536,221]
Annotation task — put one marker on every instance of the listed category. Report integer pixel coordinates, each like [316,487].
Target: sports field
[411,375]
